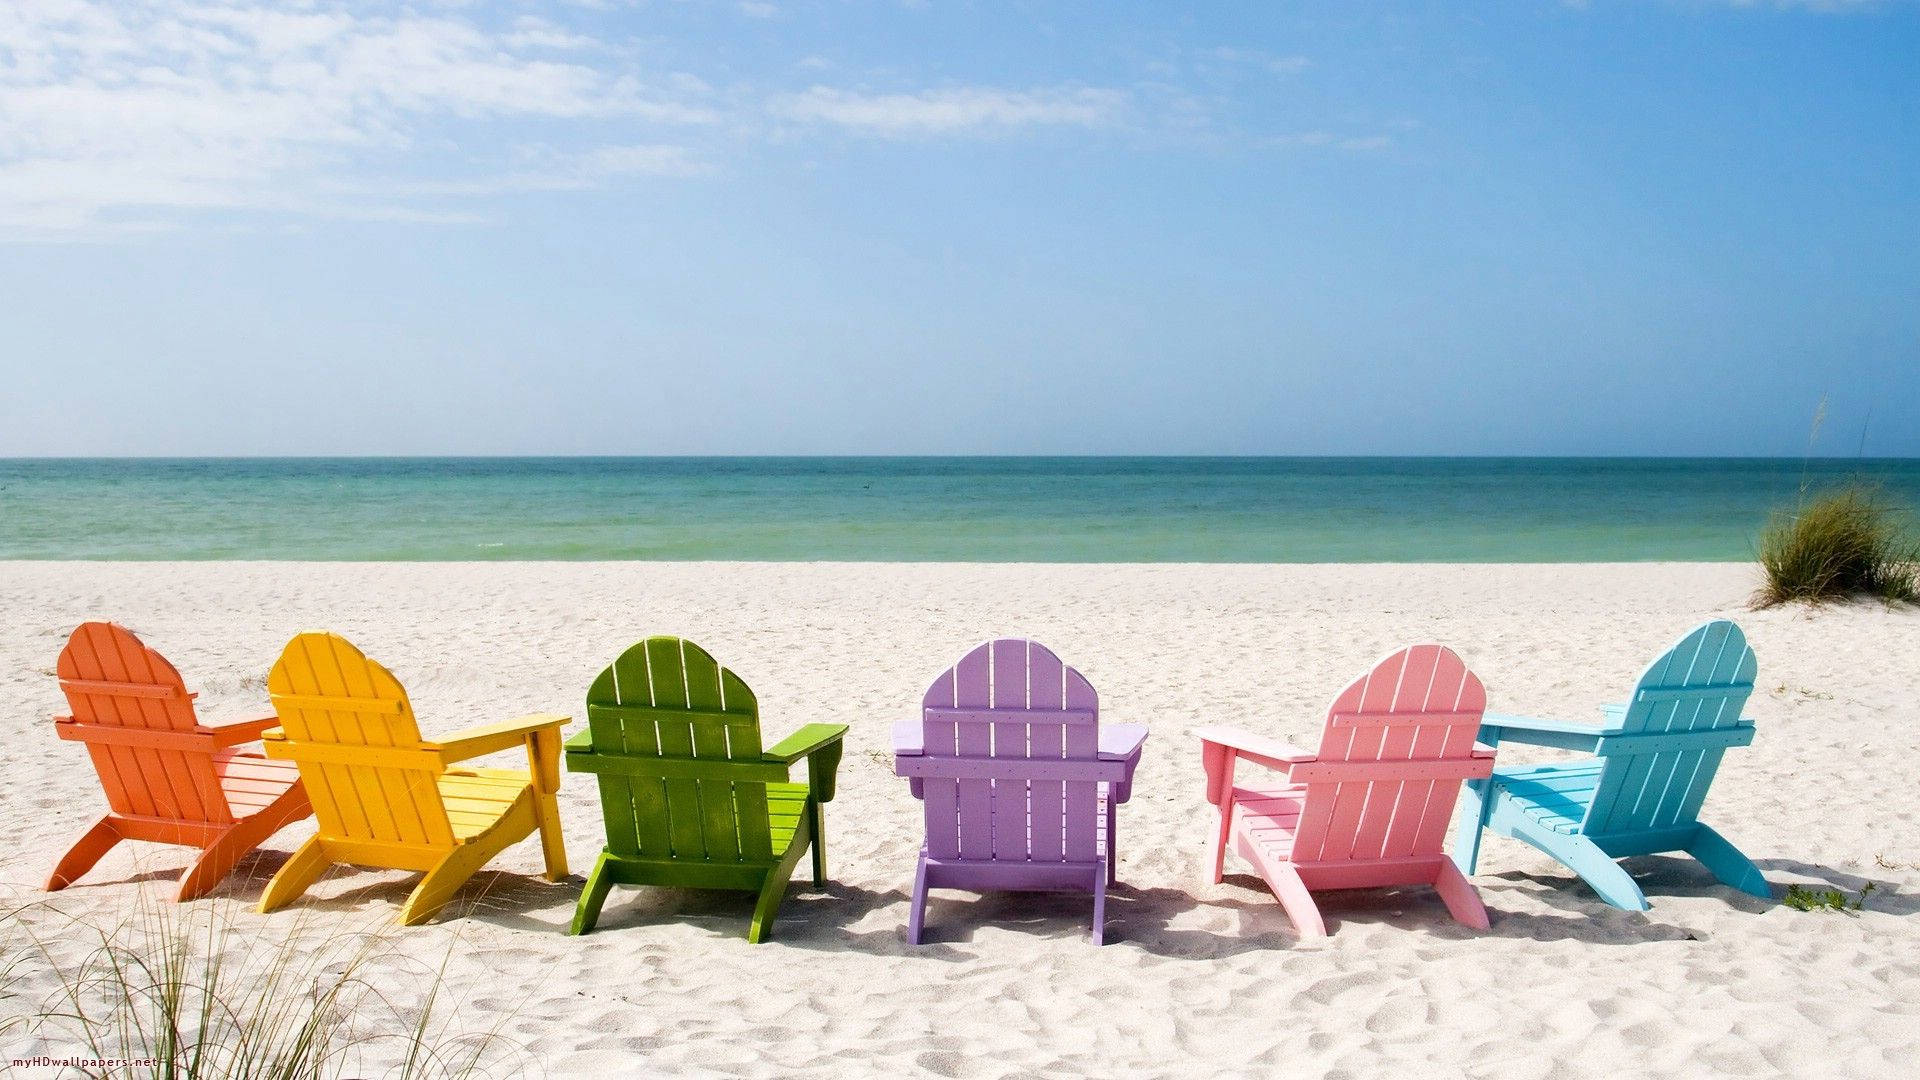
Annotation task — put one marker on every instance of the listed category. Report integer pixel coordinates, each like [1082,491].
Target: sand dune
[1198,980]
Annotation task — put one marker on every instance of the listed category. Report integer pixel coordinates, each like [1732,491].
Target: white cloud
[758,9]
[1831,6]
[544,170]
[952,110]
[1260,58]
[119,114]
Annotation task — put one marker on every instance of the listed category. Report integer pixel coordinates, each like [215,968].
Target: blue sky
[836,226]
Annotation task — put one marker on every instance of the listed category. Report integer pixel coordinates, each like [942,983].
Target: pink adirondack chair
[1017,776]
[1372,807]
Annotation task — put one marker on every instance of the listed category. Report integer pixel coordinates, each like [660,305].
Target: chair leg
[771,893]
[1217,852]
[1100,878]
[775,885]
[86,851]
[553,846]
[1113,841]
[1294,896]
[217,860]
[441,882]
[917,914]
[309,861]
[1728,865]
[1476,800]
[599,883]
[1597,868]
[818,813]
[1461,898]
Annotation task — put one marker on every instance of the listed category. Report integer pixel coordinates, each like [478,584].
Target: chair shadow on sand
[851,918]
[1677,876]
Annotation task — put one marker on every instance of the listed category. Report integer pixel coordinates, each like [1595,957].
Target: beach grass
[181,991]
[1846,543]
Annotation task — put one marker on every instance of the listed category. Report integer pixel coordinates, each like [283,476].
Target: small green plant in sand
[1843,544]
[1801,898]
[181,994]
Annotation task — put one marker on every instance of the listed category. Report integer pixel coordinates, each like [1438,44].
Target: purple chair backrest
[1012,742]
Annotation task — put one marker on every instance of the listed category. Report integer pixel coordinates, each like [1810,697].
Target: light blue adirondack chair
[1640,794]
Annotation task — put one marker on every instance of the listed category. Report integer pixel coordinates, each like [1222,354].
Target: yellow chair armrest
[491,738]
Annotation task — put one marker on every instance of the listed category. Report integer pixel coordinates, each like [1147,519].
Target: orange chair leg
[85,852]
[218,858]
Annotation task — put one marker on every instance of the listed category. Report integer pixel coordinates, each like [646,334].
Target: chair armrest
[1221,748]
[820,744]
[1496,728]
[491,738]
[235,732]
[580,742]
[1121,741]
[1272,753]
[909,737]
[805,741]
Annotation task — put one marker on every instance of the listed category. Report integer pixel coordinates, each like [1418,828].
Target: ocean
[1073,509]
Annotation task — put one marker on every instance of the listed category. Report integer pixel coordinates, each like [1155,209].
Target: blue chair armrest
[1496,728]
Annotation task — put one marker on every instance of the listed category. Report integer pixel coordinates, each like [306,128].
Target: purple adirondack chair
[1016,774]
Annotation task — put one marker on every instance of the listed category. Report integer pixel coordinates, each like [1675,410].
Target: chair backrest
[1396,745]
[1656,772]
[1011,769]
[135,715]
[351,729]
[694,785]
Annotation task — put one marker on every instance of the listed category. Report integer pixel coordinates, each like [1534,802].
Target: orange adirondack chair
[387,798]
[168,778]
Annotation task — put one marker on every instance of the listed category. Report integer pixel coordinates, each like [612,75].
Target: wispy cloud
[115,114]
[1263,60]
[1829,6]
[128,116]
[952,110]
[544,169]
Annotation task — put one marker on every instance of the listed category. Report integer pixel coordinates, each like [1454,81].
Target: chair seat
[1554,796]
[478,798]
[251,781]
[1269,816]
[785,804]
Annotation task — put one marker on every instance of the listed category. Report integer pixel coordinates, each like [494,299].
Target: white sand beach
[1197,980]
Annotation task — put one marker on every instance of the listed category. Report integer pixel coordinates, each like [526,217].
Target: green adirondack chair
[690,798]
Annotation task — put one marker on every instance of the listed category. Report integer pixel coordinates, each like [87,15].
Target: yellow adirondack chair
[384,797]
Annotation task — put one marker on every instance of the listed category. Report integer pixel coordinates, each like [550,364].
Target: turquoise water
[928,509]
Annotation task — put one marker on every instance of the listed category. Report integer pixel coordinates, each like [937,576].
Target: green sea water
[912,509]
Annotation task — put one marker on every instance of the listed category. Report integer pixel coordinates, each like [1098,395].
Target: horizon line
[945,457]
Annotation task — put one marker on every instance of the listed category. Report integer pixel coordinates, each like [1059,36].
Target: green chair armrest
[580,742]
[820,744]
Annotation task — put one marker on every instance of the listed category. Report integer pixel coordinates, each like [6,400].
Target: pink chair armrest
[1272,753]
[1221,747]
